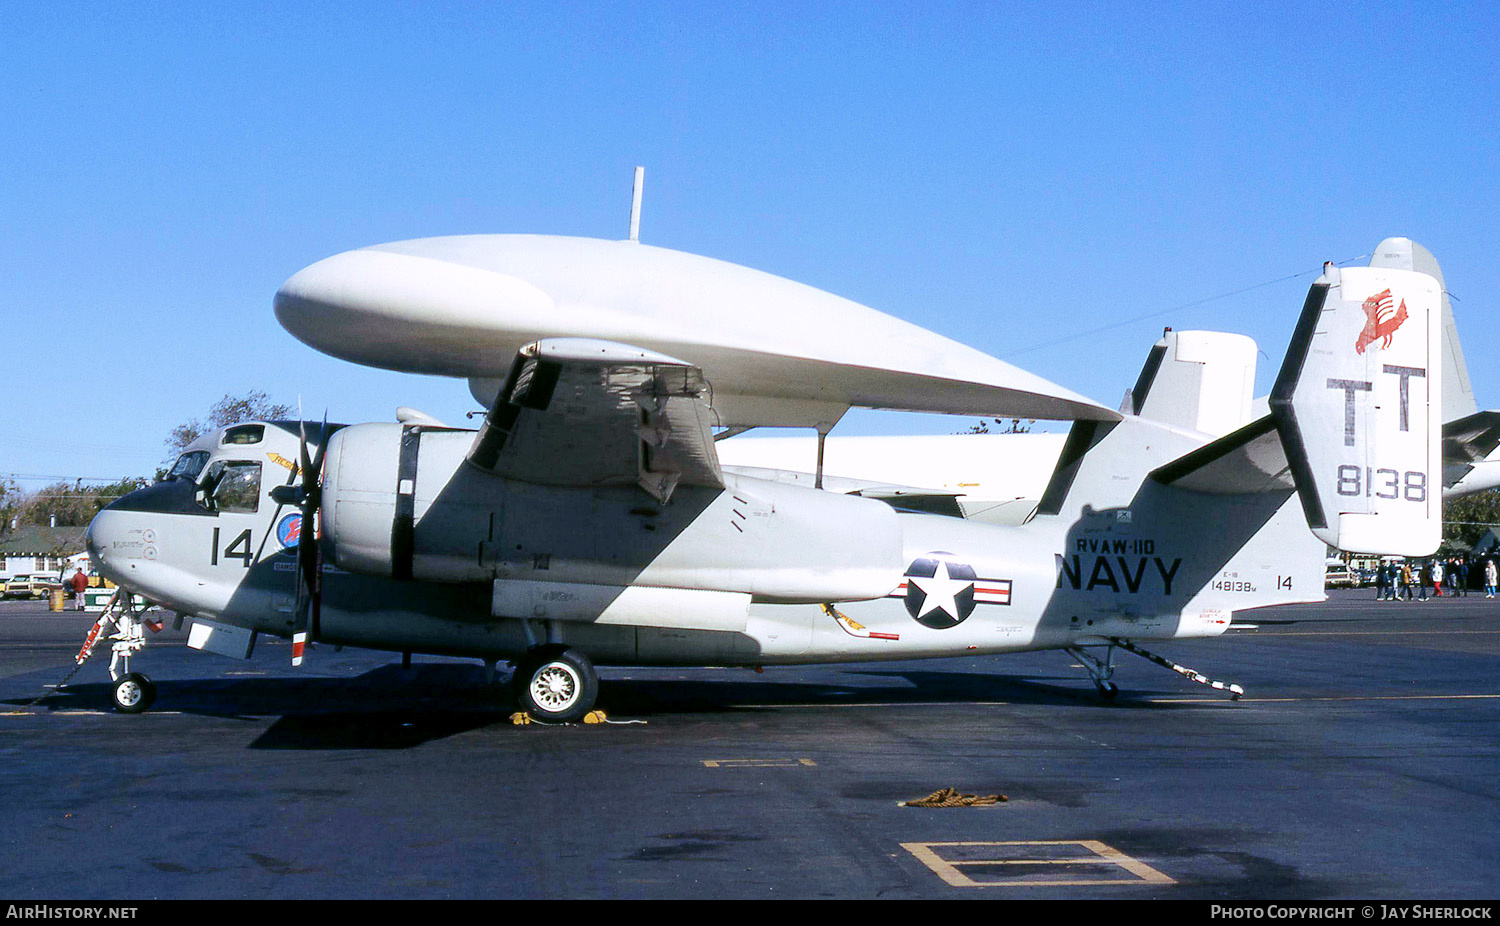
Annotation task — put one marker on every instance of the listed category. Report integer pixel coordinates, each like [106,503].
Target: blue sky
[1015,176]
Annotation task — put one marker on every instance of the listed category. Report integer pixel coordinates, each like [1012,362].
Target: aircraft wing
[580,412]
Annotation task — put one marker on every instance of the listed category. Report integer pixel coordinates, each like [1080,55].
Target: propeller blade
[309,554]
[304,465]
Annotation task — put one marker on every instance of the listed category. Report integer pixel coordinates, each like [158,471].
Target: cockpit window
[233,486]
[244,434]
[189,465]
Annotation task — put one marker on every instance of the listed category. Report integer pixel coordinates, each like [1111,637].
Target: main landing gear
[556,684]
[1101,670]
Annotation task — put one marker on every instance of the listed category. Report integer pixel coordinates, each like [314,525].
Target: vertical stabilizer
[1358,405]
[1199,380]
[1406,254]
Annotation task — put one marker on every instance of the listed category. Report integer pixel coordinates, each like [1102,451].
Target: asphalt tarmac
[1362,763]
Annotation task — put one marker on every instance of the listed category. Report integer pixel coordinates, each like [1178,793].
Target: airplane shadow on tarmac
[392,708]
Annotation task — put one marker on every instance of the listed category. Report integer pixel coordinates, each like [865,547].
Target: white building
[29,549]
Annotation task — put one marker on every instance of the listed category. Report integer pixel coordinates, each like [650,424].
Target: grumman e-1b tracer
[589,521]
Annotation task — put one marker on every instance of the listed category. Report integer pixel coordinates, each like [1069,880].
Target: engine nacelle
[401,501]
[362,489]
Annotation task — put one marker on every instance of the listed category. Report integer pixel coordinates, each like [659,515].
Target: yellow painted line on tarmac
[1468,697]
[759,763]
[1374,633]
[1163,700]
[863,704]
[86,714]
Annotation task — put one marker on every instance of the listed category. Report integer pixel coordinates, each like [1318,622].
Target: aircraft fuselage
[755,573]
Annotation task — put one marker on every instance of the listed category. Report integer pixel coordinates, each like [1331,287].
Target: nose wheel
[132,693]
[555,684]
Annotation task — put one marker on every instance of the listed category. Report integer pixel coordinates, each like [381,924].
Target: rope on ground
[522,718]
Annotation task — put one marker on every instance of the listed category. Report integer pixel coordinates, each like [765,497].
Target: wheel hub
[555,687]
[128,694]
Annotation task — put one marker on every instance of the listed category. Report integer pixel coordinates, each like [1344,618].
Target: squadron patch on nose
[289,531]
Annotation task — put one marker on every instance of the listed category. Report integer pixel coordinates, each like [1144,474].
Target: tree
[1016,426]
[71,504]
[228,410]
[1465,519]
[10,501]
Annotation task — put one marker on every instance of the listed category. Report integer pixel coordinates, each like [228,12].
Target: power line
[1176,308]
[73,477]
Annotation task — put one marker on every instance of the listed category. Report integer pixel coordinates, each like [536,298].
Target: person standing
[80,583]
[1406,580]
[1490,577]
[1461,582]
[1383,582]
[1437,578]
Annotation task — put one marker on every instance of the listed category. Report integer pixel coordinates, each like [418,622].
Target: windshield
[189,465]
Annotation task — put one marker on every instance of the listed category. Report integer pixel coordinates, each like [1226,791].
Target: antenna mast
[635,204]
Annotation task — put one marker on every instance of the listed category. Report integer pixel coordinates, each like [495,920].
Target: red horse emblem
[1380,321]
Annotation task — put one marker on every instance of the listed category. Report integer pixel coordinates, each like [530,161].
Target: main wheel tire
[556,684]
[133,693]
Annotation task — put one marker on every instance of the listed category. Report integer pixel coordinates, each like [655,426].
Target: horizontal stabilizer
[1249,461]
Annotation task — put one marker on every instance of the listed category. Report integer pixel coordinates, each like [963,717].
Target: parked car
[31,585]
[1339,577]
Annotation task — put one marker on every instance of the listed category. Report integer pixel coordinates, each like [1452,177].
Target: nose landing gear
[132,692]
